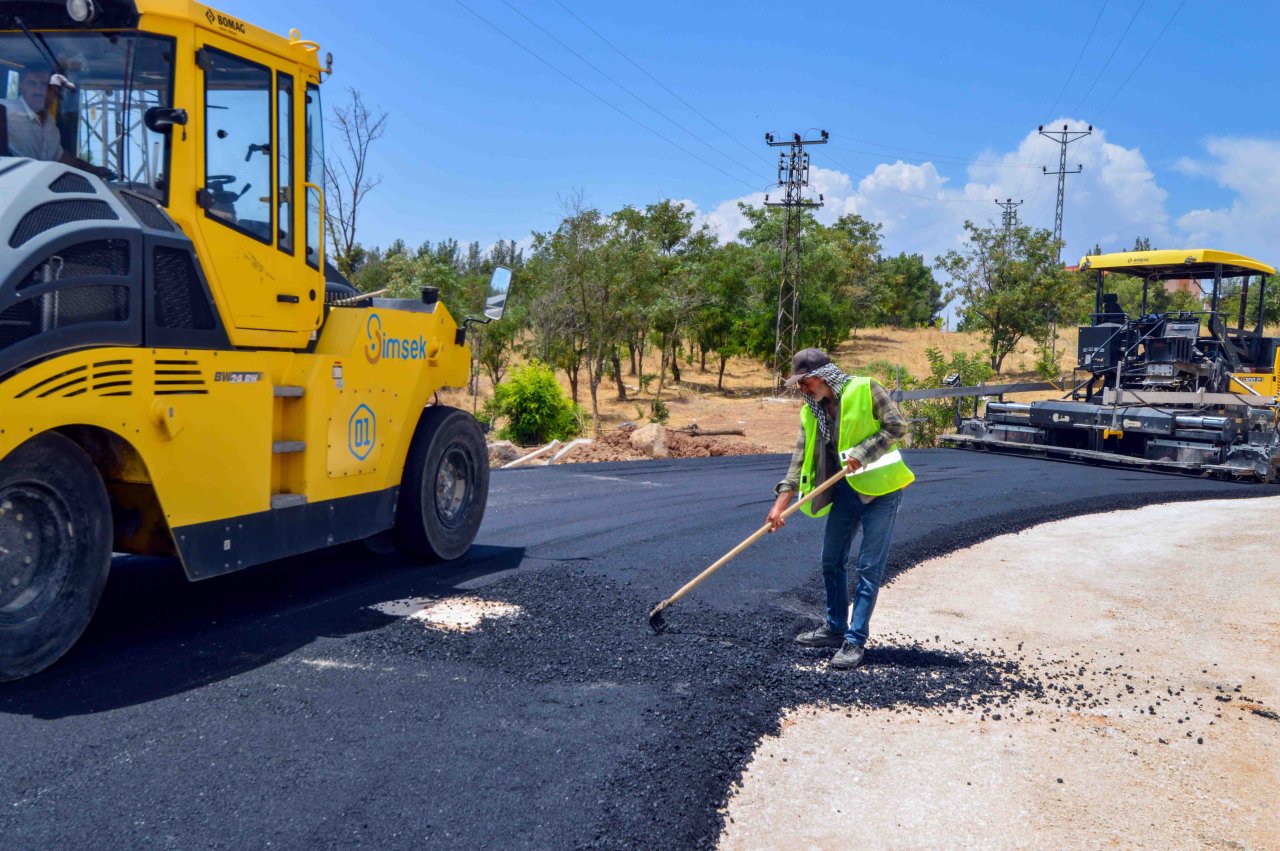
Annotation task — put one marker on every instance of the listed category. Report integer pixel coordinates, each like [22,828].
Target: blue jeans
[876,518]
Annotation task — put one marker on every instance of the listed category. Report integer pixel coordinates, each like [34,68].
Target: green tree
[902,292]
[1011,285]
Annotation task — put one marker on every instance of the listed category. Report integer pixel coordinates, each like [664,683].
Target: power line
[664,86]
[594,67]
[1140,61]
[601,98]
[1114,50]
[932,154]
[940,158]
[1080,56]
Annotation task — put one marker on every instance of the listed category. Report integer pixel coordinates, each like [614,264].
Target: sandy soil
[1159,625]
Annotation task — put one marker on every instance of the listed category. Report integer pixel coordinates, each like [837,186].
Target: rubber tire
[54,474]
[421,529]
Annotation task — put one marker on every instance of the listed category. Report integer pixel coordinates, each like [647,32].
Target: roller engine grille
[148,213]
[76,305]
[55,213]
[180,300]
[63,308]
[71,183]
[97,258]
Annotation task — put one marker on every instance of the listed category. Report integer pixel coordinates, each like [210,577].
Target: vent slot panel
[179,378]
[105,378]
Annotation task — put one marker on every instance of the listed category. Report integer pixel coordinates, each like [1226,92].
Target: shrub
[658,413]
[930,418]
[536,408]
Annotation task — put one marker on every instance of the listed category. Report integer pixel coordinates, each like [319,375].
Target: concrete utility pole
[1063,137]
[793,177]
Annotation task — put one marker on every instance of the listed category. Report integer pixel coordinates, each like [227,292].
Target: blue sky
[932,109]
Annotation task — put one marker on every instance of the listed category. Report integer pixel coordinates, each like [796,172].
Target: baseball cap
[804,362]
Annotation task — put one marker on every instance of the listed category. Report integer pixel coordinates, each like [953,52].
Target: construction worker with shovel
[853,422]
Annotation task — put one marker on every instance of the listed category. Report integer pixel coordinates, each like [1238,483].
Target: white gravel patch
[451,614]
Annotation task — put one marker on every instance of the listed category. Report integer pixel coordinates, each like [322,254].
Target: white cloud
[1250,168]
[922,210]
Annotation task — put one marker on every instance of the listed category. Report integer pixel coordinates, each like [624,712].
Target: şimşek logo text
[382,345]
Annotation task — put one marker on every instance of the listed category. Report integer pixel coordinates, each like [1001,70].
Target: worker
[855,420]
[32,131]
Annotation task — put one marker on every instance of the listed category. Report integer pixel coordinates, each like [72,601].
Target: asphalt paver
[279,707]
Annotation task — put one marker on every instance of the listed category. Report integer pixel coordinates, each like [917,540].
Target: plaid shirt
[893,427]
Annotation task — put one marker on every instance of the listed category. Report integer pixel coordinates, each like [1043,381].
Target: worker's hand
[852,466]
[775,519]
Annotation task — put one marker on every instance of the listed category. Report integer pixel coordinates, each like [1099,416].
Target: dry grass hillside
[746,401]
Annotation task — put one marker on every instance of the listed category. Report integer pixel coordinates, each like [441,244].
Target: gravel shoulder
[1154,636]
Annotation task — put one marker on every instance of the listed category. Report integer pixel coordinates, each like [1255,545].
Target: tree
[346,176]
[719,322]
[1011,285]
[902,292]
[836,263]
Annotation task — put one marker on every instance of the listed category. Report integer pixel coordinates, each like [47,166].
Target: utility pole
[793,177]
[1009,218]
[1063,137]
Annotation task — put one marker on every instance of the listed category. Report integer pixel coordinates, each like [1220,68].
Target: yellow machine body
[291,436]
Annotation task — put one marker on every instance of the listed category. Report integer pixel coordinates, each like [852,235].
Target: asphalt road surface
[276,707]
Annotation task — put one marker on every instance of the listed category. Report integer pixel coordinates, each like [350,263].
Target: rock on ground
[651,440]
[502,452]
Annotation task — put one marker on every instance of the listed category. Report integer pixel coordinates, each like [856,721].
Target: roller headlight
[82,11]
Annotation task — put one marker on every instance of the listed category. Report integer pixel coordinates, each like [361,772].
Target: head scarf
[836,380]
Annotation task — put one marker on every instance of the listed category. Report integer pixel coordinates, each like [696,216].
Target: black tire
[55,551]
[445,485]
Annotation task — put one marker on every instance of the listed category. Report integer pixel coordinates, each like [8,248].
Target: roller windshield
[82,98]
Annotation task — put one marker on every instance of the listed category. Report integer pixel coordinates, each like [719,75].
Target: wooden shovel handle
[755,536]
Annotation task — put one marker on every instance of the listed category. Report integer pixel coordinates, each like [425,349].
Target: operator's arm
[893,427]
[786,489]
[72,160]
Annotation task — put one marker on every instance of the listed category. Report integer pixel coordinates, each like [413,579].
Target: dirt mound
[616,446]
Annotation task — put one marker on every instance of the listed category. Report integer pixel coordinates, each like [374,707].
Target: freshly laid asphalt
[275,707]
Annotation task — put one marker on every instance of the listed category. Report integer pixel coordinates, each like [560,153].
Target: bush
[658,412]
[535,407]
[928,419]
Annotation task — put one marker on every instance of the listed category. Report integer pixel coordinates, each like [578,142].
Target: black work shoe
[848,657]
[823,636]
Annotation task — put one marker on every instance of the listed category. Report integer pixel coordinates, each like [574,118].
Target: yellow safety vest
[857,422]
